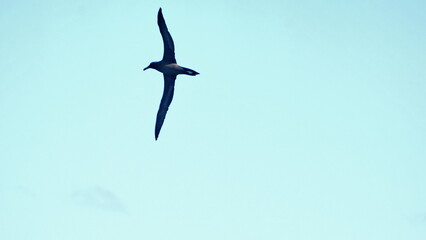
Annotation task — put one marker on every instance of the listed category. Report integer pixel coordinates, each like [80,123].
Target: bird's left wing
[169,88]
[169,46]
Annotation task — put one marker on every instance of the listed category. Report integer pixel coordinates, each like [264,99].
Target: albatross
[170,70]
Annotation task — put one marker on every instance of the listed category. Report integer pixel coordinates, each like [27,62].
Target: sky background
[307,121]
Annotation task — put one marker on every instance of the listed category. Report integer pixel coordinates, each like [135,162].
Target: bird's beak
[146,68]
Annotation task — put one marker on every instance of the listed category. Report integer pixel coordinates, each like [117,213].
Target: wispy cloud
[100,198]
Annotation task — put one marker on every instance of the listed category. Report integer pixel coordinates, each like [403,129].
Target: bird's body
[170,70]
[173,69]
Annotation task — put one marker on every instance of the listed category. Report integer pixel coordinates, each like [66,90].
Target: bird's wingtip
[160,13]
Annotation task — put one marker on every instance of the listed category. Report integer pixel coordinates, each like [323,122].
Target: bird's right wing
[169,46]
[169,88]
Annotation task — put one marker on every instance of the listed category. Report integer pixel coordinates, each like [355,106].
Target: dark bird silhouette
[170,70]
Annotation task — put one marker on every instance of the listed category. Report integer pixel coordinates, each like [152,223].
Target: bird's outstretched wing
[169,88]
[169,46]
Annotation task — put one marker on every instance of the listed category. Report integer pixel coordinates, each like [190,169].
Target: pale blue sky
[306,122]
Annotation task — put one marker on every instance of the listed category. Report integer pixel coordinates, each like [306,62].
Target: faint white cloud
[98,197]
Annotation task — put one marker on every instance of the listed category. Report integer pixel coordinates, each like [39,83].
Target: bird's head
[153,65]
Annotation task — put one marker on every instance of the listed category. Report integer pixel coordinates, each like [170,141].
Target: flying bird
[170,70]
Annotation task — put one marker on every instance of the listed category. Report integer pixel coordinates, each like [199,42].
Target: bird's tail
[190,71]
